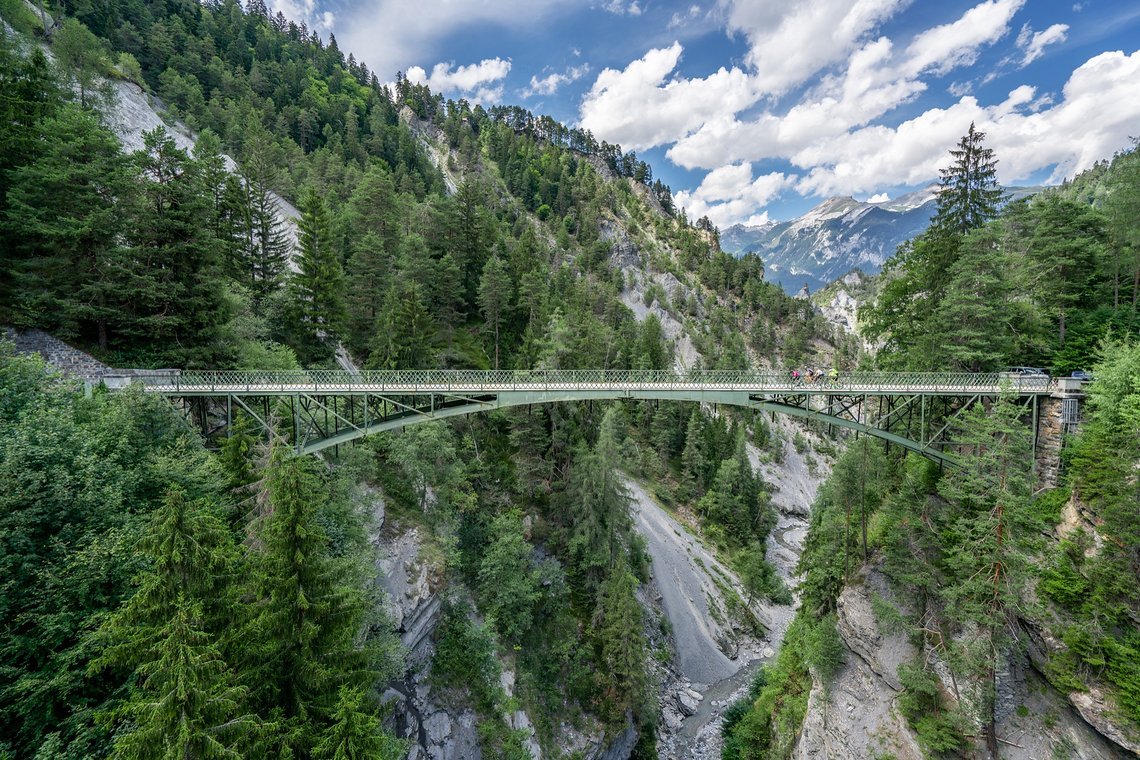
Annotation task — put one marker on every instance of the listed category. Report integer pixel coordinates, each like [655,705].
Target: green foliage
[508,586]
[823,648]
[317,289]
[355,733]
[81,478]
[924,706]
[770,728]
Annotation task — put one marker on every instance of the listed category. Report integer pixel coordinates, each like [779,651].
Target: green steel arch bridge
[318,409]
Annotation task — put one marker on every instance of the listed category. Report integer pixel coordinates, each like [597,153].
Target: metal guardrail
[444,381]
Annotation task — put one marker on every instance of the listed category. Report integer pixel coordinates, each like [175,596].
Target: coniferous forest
[159,598]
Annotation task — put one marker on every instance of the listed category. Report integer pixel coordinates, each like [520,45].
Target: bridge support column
[1057,415]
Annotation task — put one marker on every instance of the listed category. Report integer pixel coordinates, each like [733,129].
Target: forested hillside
[980,583]
[222,600]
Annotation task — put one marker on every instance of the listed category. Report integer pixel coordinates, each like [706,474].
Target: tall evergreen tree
[598,513]
[317,288]
[906,310]
[172,292]
[985,537]
[64,223]
[186,703]
[494,298]
[301,639]
[968,194]
[265,251]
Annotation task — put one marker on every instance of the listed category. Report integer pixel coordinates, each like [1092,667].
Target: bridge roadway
[620,383]
[333,407]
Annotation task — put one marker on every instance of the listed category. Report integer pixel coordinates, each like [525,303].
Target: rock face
[625,255]
[854,716]
[882,651]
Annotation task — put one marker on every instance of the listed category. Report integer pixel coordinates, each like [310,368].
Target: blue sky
[755,110]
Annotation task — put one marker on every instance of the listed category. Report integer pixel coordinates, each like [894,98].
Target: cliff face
[856,715]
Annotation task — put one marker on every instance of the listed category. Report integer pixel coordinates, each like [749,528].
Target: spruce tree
[693,460]
[370,269]
[972,321]
[301,637]
[265,250]
[906,310]
[618,623]
[985,537]
[173,292]
[968,191]
[355,733]
[317,288]
[64,223]
[405,332]
[598,514]
[494,298]
[186,701]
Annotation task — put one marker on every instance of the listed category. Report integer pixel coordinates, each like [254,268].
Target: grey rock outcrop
[854,716]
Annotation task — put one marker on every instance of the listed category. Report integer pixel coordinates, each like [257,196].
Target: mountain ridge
[837,235]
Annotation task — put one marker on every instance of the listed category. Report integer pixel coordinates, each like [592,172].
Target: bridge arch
[331,408]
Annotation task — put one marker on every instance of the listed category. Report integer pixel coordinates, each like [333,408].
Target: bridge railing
[466,380]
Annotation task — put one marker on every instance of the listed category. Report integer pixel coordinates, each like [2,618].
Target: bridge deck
[618,382]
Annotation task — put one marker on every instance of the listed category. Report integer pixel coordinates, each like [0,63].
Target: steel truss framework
[322,409]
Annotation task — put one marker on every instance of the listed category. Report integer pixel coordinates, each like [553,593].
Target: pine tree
[598,513]
[972,318]
[905,312]
[186,703]
[693,460]
[30,96]
[405,332]
[370,269]
[265,249]
[173,290]
[317,289]
[1066,239]
[618,622]
[508,584]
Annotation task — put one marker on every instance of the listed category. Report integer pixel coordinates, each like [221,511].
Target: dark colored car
[1081,374]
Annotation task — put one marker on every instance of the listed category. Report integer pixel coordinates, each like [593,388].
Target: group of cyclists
[812,376]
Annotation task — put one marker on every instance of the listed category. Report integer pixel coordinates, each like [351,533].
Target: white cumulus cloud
[474,79]
[729,195]
[304,10]
[791,41]
[392,35]
[1027,134]
[637,108]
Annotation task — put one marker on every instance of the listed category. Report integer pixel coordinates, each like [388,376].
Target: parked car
[1082,375]
[1028,371]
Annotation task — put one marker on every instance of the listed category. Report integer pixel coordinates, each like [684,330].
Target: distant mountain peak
[838,235]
